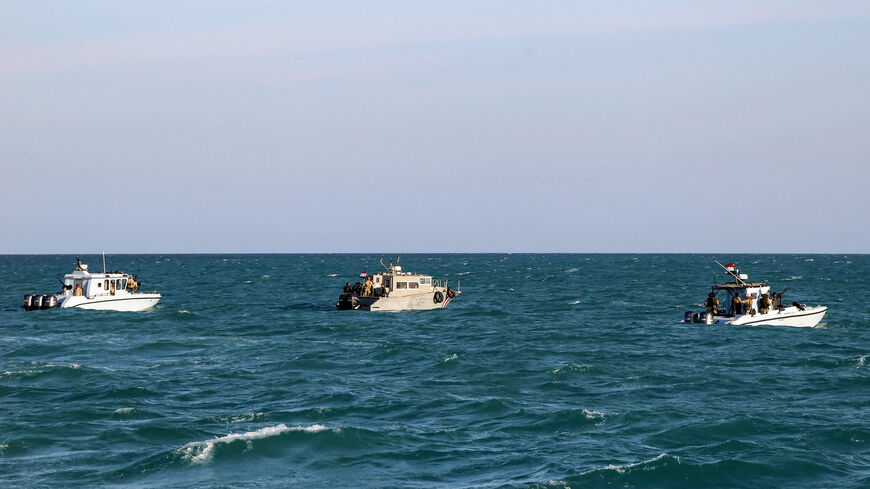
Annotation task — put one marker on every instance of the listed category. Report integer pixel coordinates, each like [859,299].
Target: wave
[202,452]
[573,368]
[40,369]
[621,469]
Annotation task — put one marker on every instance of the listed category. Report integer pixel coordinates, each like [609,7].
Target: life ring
[439,297]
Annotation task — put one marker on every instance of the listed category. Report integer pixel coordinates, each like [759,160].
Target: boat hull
[127,303]
[793,317]
[416,302]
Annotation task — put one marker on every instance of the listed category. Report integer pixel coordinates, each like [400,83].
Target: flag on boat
[730,267]
[364,274]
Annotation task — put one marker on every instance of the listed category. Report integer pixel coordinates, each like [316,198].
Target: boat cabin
[96,284]
[752,291]
[397,283]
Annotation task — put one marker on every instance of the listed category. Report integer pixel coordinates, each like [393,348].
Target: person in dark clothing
[357,288]
[736,305]
[712,303]
[763,304]
[347,287]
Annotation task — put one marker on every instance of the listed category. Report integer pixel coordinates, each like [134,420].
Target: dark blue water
[549,371]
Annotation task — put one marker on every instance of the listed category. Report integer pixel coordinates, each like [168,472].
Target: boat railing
[436,282]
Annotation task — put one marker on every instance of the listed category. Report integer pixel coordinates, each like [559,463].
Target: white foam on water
[3,447]
[332,275]
[622,468]
[451,357]
[245,418]
[75,366]
[794,277]
[572,270]
[809,259]
[125,410]
[201,452]
[184,311]
[266,276]
[558,483]
[862,361]
[575,302]
[574,367]
[592,414]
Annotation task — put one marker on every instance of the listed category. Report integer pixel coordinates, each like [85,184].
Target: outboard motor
[799,306]
[689,316]
[28,301]
[347,301]
[49,301]
[36,302]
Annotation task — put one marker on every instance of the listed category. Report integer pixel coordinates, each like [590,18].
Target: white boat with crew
[107,291]
[753,304]
[395,290]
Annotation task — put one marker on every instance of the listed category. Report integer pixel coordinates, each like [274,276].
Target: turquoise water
[549,371]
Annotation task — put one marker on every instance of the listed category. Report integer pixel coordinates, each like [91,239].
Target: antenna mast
[739,280]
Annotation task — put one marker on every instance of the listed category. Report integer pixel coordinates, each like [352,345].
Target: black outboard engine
[799,306]
[28,302]
[347,301]
[49,301]
[36,302]
[690,317]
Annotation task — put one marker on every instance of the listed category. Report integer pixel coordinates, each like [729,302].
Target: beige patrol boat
[396,290]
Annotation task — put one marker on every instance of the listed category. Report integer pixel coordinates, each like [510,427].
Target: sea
[547,371]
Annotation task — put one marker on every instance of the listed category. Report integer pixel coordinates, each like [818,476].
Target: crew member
[367,288]
[78,290]
[764,304]
[747,304]
[357,288]
[736,304]
[712,303]
[347,287]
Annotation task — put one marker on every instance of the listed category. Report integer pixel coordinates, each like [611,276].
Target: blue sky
[386,127]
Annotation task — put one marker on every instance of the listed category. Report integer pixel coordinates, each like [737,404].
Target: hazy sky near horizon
[468,126]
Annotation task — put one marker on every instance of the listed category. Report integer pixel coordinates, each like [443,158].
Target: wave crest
[202,452]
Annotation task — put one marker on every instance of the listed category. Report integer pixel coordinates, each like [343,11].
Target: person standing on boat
[747,304]
[764,304]
[367,288]
[78,290]
[736,304]
[347,288]
[712,303]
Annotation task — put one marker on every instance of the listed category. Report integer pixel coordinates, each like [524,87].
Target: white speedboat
[107,291]
[753,304]
[395,290]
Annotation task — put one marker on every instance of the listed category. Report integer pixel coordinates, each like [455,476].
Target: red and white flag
[364,274]
[730,267]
